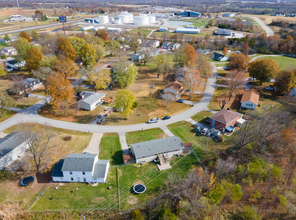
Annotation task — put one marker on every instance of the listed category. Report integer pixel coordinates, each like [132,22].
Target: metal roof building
[189,14]
[149,150]
[224,32]
[187,30]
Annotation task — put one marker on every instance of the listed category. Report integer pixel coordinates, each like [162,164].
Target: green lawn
[222,73]
[284,62]
[144,135]
[202,116]
[153,179]
[142,31]
[87,196]
[26,102]
[5,114]
[110,149]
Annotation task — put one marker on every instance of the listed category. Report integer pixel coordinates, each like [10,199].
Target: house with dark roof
[83,167]
[219,57]
[170,45]
[12,147]
[173,91]
[90,100]
[26,85]
[250,99]
[224,120]
[150,150]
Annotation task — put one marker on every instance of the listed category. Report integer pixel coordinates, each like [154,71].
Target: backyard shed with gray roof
[148,151]
[83,167]
[90,100]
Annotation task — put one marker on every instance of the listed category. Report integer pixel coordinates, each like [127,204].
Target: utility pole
[18,6]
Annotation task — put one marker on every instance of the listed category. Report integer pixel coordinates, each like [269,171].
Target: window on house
[71,173]
[72,178]
[83,173]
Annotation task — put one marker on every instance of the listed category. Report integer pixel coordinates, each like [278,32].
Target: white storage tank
[117,20]
[143,15]
[125,18]
[151,19]
[131,17]
[111,19]
[141,20]
[104,19]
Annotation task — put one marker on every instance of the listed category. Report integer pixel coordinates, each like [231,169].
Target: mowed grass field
[87,196]
[202,116]
[145,135]
[110,149]
[283,62]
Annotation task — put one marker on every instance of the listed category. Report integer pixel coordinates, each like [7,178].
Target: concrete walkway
[167,131]
[94,144]
[124,146]
[190,120]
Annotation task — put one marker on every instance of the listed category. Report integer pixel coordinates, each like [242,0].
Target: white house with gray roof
[90,100]
[12,147]
[148,151]
[83,167]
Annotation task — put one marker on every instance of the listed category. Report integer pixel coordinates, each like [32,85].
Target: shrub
[68,138]
[136,215]
[3,56]
[217,194]
[135,105]
[256,195]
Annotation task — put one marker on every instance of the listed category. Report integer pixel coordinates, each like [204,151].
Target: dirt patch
[119,172]
[98,199]
[132,200]
[138,182]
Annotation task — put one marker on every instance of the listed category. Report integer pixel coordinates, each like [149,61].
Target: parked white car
[153,120]
[205,131]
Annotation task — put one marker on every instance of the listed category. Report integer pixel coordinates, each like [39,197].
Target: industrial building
[189,14]
[223,32]
[163,29]
[228,15]
[114,30]
[187,30]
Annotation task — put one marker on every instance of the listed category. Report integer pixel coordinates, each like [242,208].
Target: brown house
[173,91]
[224,120]
[250,99]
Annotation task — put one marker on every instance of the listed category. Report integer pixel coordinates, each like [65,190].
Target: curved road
[30,115]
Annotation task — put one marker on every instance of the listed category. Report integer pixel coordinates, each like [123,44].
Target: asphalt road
[268,31]
[30,115]
[38,27]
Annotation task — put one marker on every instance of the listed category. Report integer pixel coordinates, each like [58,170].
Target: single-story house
[149,150]
[14,64]
[90,100]
[138,57]
[173,91]
[12,147]
[223,32]
[219,57]
[224,120]
[170,45]
[35,44]
[130,38]
[228,15]
[8,51]
[250,99]
[150,43]
[205,52]
[83,167]
[25,85]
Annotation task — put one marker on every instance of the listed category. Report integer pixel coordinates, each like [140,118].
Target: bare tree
[222,104]
[235,80]
[192,80]
[42,148]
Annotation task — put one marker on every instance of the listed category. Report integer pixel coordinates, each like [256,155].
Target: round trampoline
[139,188]
[27,181]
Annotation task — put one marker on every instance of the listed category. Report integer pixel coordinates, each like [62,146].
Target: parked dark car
[180,100]
[166,117]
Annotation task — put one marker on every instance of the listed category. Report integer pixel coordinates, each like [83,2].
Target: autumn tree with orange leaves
[34,57]
[65,66]
[190,55]
[60,90]
[225,51]
[25,35]
[103,34]
[65,48]
[235,80]
[238,62]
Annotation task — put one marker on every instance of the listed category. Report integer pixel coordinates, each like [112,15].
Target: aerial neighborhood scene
[148,110]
